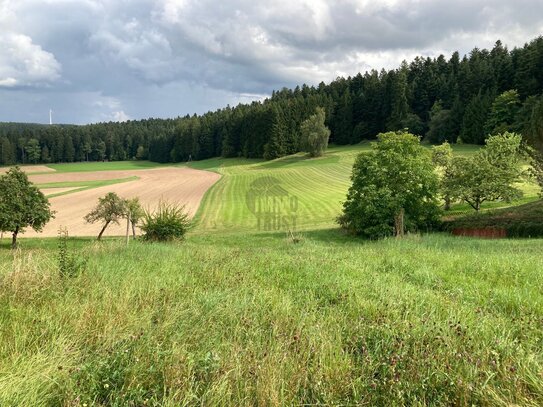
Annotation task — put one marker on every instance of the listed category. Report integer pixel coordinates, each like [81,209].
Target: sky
[115,60]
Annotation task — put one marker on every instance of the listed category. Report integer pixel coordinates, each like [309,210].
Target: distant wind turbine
[50,116]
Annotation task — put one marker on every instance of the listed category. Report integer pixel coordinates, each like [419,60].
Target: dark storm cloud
[110,60]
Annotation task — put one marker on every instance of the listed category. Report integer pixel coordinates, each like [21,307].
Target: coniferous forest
[460,99]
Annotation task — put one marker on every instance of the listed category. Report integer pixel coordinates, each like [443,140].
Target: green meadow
[239,316]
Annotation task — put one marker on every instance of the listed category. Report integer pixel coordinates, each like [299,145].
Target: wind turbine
[50,117]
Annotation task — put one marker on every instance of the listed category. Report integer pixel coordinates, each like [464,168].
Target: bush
[169,222]
[69,264]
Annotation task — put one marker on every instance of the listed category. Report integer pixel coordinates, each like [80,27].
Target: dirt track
[185,186]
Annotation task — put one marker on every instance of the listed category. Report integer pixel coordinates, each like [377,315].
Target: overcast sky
[102,60]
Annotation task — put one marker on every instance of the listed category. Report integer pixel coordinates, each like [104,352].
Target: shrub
[69,264]
[168,222]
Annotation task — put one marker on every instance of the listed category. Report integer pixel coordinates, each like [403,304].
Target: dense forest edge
[459,100]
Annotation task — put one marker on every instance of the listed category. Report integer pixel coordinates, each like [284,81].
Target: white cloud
[23,63]
[172,57]
[120,116]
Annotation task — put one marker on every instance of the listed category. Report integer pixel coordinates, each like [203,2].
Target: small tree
[315,134]
[442,158]
[22,204]
[394,188]
[110,208]
[488,175]
[135,213]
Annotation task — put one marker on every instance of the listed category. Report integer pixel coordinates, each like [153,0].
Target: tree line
[460,99]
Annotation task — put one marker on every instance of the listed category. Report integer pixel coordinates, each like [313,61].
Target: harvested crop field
[29,169]
[185,186]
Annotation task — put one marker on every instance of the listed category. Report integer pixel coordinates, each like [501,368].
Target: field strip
[52,192]
[30,169]
[184,186]
[63,188]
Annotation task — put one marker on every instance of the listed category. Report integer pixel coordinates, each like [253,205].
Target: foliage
[22,204]
[490,174]
[518,221]
[168,222]
[503,113]
[394,179]
[475,117]
[110,209]
[442,157]
[70,264]
[315,134]
[135,213]
[441,126]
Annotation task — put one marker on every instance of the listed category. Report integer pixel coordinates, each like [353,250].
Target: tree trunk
[128,228]
[103,230]
[447,203]
[14,238]
[133,230]
[399,223]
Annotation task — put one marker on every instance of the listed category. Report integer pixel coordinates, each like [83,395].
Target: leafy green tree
[33,150]
[488,175]
[394,189]
[315,134]
[134,212]
[503,113]
[110,209]
[22,204]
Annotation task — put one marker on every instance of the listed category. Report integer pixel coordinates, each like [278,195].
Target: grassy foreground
[257,320]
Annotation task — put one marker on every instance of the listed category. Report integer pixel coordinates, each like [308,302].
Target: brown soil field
[29,169]
[185,186]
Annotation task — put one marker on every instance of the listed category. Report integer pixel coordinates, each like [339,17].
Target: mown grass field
[105,166]
[319,185]
[244,317]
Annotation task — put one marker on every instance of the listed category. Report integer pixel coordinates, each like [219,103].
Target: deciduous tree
[22,204]
[394,188]
[315,134]
[488,175]
[110,209]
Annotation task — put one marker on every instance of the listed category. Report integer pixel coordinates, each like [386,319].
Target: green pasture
[255,319]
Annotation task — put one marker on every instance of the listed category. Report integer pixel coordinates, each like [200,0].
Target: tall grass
[257,320]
